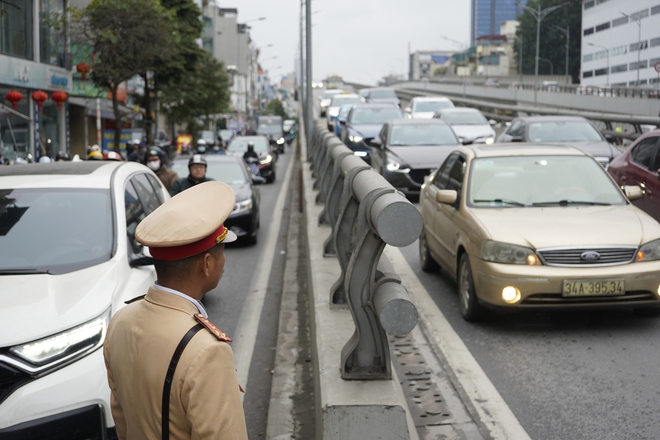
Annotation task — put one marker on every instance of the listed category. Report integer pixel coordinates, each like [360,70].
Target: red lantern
[83,68]
[39,97]
[14,96]
[59,97]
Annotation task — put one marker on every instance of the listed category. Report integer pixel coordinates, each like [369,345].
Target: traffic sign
[656,66]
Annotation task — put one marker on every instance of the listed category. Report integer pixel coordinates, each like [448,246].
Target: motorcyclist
[138,154]
[197,168]
[201,146]
[251,158]
[155,160]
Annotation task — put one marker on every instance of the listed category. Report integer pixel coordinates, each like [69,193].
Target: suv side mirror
[377,142]
[516,139]
[611,139]
[141,260]
[633,192]
[447,196]
[407,110]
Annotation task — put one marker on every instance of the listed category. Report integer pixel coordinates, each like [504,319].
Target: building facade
[424,64]
[488,15]
[620,42]
[33,57]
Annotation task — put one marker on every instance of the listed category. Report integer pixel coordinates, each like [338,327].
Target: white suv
[68,261]
[424,107]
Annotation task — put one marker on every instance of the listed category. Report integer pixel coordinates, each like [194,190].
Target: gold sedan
[538,227]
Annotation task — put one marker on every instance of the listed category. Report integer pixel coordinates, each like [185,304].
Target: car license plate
[594,287]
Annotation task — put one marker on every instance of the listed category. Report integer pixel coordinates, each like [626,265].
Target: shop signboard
[28,74]
[109,140]
[183,141]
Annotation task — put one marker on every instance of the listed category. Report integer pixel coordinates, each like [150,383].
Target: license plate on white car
[594,288]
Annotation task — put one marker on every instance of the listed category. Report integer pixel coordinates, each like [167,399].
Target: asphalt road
[226,302]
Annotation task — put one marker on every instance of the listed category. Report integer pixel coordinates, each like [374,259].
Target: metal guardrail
[365,213]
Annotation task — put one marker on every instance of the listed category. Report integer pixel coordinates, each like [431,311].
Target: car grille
[417,175]
[576,256]
[557,299]
[10,380]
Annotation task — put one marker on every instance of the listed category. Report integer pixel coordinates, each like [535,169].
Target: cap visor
[231,237]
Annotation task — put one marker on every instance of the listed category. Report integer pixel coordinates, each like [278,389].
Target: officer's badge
[220,336]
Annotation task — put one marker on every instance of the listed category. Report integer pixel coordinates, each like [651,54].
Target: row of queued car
[545,216]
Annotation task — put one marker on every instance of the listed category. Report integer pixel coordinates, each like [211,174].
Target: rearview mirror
[492,121]
[141,260]
[447,196]
[633,192]
[465,141]
[407,110]
[377,142]
[611,139]
[258,180]
[516,139]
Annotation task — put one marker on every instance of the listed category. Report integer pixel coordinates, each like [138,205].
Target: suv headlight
[649,251]
[76,342]
[266,160]
[355,138]
[508,253]
[242,206]
[396,167]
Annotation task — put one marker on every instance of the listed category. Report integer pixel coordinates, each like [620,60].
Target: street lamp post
[551,66]
[637,20]
[565,32]
[520,39]
[540,14]
[465,47]
[308,61]
[608,60]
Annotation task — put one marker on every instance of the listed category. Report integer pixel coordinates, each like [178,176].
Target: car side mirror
[611,139]
[258,180]
[446,196]
[141,260]
[407,110]
[633,192]
[342,122]
[377,142]
[492,121]
[657,174]
[464,141]
[516,139]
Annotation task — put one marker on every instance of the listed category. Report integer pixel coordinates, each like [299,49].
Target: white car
[424,107]
[336,102]
[325,100]
[68,262]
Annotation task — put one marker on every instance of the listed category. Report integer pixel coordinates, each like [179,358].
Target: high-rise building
[487,15]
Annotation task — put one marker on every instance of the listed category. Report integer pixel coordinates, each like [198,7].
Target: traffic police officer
[171,372]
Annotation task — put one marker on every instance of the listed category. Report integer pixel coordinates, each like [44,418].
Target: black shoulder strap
[165,424]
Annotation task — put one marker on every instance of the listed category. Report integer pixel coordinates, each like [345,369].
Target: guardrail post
[326,169]
[331,211]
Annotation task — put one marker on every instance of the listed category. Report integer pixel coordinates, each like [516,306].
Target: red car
[639,165]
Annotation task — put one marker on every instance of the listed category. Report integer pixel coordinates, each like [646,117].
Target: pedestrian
[155,160]
[197,175]
[170,370]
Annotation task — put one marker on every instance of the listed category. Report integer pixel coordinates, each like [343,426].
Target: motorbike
[253,165]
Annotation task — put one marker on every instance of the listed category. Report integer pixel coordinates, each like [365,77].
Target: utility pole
[540,14]
[637,20]
[308,62]
[302,61]
[565,32]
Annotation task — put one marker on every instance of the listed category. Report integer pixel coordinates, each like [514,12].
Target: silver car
[469,124]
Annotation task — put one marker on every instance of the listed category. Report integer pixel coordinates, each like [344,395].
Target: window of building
[634,83]
[655,10]
[640,45]
[639,15]
[588,31]
[619,21]
[602,27]
[588,74]
[655,42]
[619,50]
[600,55]
[619,68]
[590,4]
[16,29]
[600,72]
[588,57]
[53,42]
[207,35]
[600,2]
[638,65]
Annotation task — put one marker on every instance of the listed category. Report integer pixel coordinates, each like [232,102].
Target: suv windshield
[540,181]
[432,106]
[562,131]
[341,100]
[240,145]
[231,173]
[464,118]
[362,116]
[382,94]
[423,134]
[83,236]
[269,129]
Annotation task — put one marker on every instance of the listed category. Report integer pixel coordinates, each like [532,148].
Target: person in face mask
[154,159]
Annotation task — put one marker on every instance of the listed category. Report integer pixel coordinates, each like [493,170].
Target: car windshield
[422,134]
[341,100]
[231,173]
[331,93]
[382,94]
[464,118]
[82,236]
[269,129]
[226,134]
[528,181]
[240,145]
[375,116]
[206,135]
[432,106]
[344,111]
[563,131]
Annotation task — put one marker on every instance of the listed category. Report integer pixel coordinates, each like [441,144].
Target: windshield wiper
[23,272]
[570,202]
[502,201]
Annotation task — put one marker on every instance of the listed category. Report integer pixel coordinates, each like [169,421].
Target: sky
[361,40]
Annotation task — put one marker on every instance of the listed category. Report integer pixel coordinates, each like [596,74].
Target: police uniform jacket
[205,400]
[186,182]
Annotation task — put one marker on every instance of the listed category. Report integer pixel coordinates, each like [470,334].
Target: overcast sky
[362,40]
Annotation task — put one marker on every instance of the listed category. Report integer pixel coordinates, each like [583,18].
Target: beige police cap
[189,223]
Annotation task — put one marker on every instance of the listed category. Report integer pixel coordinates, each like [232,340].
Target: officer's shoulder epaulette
[215,331]
[137,298]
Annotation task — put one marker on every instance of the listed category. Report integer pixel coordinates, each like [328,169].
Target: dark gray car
[407,150]
[572,130]
[382,95]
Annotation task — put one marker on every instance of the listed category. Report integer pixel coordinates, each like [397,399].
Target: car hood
[261,154]
[430,156]
[596,148]
[422,115]
[36,306]
[539,228]
[242,191]
[471,132]
[384,101]
[367,130]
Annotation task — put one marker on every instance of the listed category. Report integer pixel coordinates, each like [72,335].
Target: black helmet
[62,155]
[197,159]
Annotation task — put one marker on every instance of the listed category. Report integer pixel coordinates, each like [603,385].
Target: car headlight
[649,251]
[333,113]
[508,253]
[355,138]
[75,342]
[396,167]
[280,141]
[490,140]
[266,160]
[242,206]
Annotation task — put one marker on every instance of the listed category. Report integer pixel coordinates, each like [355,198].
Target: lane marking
[248,322]
[484,397]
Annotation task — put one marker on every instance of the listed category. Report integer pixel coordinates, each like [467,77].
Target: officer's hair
[181,269]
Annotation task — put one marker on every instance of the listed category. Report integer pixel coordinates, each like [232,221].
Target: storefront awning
[107,112]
